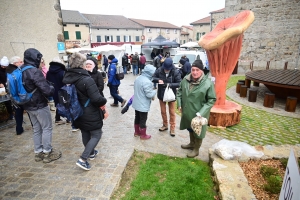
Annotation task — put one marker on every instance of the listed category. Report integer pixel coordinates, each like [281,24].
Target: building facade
[273,36]
[118,31]
[200,28]
[76,29]
[215,17]
[186,34]
[30,24]
[152,29]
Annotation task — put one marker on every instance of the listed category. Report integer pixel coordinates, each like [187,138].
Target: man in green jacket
[195,94]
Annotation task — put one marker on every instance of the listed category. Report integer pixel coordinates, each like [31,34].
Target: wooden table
[282,82]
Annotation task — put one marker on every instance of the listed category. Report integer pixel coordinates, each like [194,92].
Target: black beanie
[198,64]
[111,57]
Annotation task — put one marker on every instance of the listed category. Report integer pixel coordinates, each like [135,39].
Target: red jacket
[142,60]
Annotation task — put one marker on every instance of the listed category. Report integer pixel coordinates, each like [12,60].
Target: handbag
[169,94]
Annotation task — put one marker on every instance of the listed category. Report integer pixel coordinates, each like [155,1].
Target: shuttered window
[66,35]
[78,35]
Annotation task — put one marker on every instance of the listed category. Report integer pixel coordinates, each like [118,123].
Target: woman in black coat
[92,68]
[90,123]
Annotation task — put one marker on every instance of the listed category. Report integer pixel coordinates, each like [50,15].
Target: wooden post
[251,65]
[256,84]
[243,91]
[238,87]
[269,100]
[252,95]
[268,65]
[242,81]
[285,65]
[248,83]
[291,103]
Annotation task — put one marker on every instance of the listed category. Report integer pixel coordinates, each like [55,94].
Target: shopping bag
[169,94]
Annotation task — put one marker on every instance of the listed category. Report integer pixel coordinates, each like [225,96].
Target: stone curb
[229,177]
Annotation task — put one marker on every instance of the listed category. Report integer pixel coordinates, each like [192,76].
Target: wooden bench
[291,104]
[238,86]
[269,100]
[243,91]
[252,95]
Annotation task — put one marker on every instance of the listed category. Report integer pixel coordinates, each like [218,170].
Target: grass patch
[156,176]
[273,179]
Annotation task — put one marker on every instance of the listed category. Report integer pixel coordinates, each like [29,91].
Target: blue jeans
[135,69]
[125,69]
[114,93]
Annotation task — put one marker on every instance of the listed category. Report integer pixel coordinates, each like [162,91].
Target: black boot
[195,151]
[191,144]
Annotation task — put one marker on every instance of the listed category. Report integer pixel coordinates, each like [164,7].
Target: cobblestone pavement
[23,178]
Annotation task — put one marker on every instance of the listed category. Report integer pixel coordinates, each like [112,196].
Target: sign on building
[61,47]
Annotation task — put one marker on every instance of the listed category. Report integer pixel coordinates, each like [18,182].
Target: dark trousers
[9,108]
[90,140]
[141,118]
[114,93]
[19,119]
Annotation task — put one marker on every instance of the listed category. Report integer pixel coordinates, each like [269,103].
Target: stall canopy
[190,45]
[161,42]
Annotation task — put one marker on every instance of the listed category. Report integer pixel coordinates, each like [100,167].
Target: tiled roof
[218,11]
[184,33]
[188,27]
[155,24]
[73,17]
[205,20]
[111,21]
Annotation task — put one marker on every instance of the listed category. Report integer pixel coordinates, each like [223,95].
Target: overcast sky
[177,12]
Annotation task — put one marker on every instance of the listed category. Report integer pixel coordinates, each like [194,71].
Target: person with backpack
[157,64]
[37,107]
[186,67]
[105,63]
[16,62]
[91,121]
[55,75]
[135,63]
[125,62]
[166,75]
[142,62]
[113,82]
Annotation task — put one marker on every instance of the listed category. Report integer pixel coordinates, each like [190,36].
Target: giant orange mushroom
[223,46]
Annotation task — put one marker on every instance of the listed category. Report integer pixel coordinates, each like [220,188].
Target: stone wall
[273,36]
[200,28]
[216,18]
[30,24]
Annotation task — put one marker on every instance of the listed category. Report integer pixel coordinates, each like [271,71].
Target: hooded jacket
[186,67]
[173,79]
[55,75]
[195,97]
[34,78]
[124,60]
[97,76]
[86,89]
[143,90]
[112,69]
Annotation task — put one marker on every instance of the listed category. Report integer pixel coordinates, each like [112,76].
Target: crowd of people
[192,87]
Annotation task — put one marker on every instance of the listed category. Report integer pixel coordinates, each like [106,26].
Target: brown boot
[52,155]
[137,130]
[191,144]
[39,157]
[195,151]
[144,136]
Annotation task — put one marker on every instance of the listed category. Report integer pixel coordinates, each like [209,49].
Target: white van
[192,56]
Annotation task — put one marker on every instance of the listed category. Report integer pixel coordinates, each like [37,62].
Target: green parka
[195,97]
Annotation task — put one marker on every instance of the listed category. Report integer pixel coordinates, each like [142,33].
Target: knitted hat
[111,57]
[4,61]
[198,64]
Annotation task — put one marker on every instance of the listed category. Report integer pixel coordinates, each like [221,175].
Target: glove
[108,84]
[125,109]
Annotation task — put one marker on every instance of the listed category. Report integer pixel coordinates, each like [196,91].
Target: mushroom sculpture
[223,46]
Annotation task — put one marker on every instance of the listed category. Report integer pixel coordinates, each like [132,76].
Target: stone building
[215,17]
[152,29]
[273,36]
[113,29]
[30,24]
[186,34]
[76,29]
[200,28]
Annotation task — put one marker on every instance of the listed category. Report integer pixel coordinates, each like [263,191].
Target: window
[65,24]
[180,41]
[175,31]
[137,38]
[118,38]
[127,38]
[190,40]
[149,30]
[167,31]
[158,30]
[66,35]
[98,38]
[198,36]
[183,41]
[76,25]
[78,35]
[108,38]
[149,40]
[203,33]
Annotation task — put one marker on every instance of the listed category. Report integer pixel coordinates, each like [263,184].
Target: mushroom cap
[226,29]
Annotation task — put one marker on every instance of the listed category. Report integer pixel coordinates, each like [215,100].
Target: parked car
[192,56]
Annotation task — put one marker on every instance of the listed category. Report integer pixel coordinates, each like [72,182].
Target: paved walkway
[23,178]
